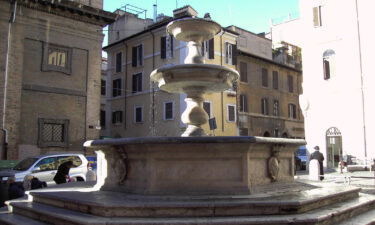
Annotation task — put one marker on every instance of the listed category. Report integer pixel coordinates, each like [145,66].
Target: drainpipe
[126,82]
[152,85]
[362,91]
[13,5]
[221,93]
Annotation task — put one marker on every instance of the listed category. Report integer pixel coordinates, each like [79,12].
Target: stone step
[111,204]
[327,215]
[15,219]
[367,218]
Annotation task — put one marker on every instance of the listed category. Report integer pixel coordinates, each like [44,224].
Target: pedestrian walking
[318,156]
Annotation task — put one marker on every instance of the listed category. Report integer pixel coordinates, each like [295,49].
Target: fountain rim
[191,19]
[167,68]
[193,140]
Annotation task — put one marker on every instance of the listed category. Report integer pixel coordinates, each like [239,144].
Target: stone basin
[195,165]
[209,77]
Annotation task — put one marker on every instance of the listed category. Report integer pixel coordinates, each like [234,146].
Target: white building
[337,42]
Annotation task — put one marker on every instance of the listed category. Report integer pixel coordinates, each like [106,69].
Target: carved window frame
[65,128]
[48,67]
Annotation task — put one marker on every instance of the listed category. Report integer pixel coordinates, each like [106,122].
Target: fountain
[194,179]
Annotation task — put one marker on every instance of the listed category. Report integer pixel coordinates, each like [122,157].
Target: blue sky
[252,15]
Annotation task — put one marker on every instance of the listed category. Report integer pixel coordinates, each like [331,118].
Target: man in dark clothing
[15,189]
[318,156]
[63,172]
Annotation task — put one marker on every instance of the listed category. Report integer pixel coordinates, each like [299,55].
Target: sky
[252,15]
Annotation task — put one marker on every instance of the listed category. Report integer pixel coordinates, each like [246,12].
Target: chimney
[185,11]
[155,12]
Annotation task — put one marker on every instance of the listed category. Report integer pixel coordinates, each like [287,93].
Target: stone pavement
[362,179]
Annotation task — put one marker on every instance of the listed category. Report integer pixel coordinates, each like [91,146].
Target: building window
[276,108]
[243,103]
[243,72]
[137,83]
[56,58]
[264,77]
[231,113]
[317,14]
[208,49]
[103,87]
[166,47]
[168,111]
[138,114]
[116,87]
[102,119]
[328,63]
[117,117]
[292,111]
[264,105]
[230,54]
[275,80]
[290,83]
[207,108]
[244,132]
[53,133]
[137,56]
[119,62]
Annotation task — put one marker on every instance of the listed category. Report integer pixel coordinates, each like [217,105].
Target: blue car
[301,153]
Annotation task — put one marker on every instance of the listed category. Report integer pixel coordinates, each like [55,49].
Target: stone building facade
[136,107]
[50,55]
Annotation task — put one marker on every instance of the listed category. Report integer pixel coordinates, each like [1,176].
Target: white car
[44,167]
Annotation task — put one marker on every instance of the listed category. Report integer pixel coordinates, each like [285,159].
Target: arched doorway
[334,147]
[266,134]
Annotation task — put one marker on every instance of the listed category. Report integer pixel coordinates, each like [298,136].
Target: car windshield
[301,152]
[25,164]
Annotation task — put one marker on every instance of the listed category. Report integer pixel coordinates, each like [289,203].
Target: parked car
[44,167]
[301,154]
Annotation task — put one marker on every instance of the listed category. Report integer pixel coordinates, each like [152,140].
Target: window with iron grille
[264,105]
[290,83]
[243,103]
[53,133]
[264,77]
[275,80]
[168,111]
[116,87]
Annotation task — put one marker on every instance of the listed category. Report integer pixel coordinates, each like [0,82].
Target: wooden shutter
[234,54]
[171,44]
[317,16]
[243,71]
[134,56]
[275,79]
[134,83]
[140,54]
[211,54]
[326,69]
[163,47]
[139,82]
[113,117]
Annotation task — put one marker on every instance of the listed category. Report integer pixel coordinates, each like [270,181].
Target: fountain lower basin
[209,77]
[195,166]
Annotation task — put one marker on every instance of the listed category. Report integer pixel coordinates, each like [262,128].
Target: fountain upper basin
[209,78]
[193,29]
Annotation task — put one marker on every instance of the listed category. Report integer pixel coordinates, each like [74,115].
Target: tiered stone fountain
[193,179]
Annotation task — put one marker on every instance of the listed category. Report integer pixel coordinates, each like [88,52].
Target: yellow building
[136,107]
